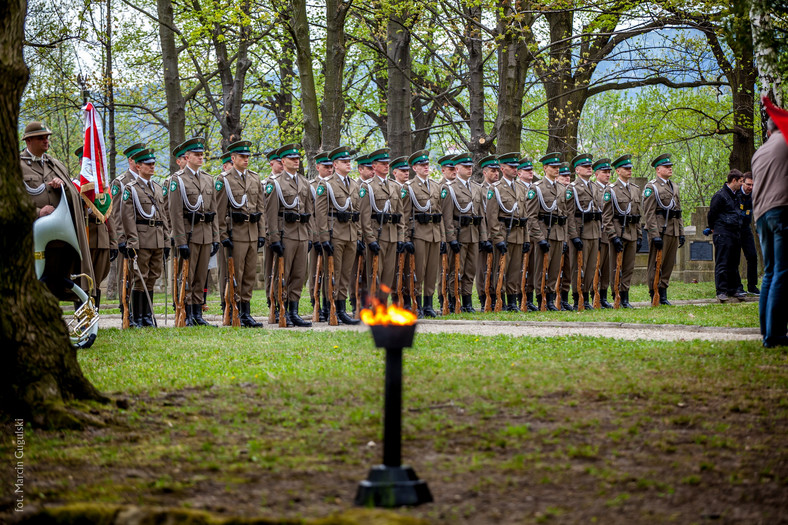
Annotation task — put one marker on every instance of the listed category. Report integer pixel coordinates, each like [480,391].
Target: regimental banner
[93,172]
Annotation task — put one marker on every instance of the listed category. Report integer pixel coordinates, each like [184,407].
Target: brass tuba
[58,226]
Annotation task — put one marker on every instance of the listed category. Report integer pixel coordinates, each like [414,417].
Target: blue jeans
[773,233]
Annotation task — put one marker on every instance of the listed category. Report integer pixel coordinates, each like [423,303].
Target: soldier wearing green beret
[662,215]
[583,228]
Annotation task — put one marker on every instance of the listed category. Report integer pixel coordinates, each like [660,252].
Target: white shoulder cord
[334,200]
[372,204]
[501,206]
[615,203]
[577,201]
[188,205]
[670,205]
[457,204]
[35,191]
[282,198]
[542,203]
[230,196]
[138,205]
[423,209]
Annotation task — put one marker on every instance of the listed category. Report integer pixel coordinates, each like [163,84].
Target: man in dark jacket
[725,221]
[747,238]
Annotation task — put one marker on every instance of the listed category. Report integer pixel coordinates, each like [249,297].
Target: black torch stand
[392,484]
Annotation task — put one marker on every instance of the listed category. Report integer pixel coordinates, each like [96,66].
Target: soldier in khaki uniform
[426,229]
[662,215]
[564,177]
[325,169]
[194,226]
[180,161]
[621,220]
[277,168]
[147,240]
[44,179]
[337,233]
[448,174]
[583,227]
[240,213]
[505,207]
[400,171]
[365,173]
[525,176]
[491,172]
[289,215]
[221,256]
[381,221]
[548,202]
[606,264]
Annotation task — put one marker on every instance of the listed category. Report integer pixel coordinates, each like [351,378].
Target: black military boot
[482,299]
[663,297]
[197,316]
[529,302]
[353,307]
[565,306]
[136,308]
[419,309]
[342,315]
[406,303]
[625,300]
[467,304]
[575,301]
[147,313]
[427,307]
[440,303]
[511,303]
[245,316]
[603,299]
[294,317]
[97,299]
[589,304]
[322,315]
[550,298]
[188,318]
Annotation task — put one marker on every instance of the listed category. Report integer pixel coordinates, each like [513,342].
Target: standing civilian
[725,221]
[747,238]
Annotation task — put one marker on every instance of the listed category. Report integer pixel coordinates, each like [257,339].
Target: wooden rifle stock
[175,287]
[412,284]
[359,266]
[444,286]
[282,292]
[523,279]
[332,308]
[499,284]
[231,317]
[581,302]
[180,320]
[457,297]
[558,282]
[597,297]
[373,286]
[655,298]
[619,262]
[272,294]
[400,278]
[487,291]
[124,296]
[545,262]
[316,290]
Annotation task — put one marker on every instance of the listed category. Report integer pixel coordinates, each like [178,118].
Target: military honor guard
[275,163]
[194,226]
[602,172]
[662,216]
[400,171]
[564,177]
[427,230]
[146,235]
[448,174]
[289,214]
[221,256]
[621,214]
[490,174]
[583,229]
[549,203]
[336,231]
[525,176]
[240,214]
[325,169]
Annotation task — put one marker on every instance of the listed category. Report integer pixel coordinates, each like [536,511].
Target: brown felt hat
[36,129]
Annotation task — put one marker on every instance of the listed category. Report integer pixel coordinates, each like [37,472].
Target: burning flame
[393,315]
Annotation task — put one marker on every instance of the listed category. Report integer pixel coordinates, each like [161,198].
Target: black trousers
[751,256]
[727,254]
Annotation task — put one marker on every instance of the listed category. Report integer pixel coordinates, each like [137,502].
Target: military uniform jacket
[36,175]
[621,204]
[662,208]
[548,202]
[290,208]
[335,209]
[506,203]
[144,219]
[116,188]
[584,202]
[461,202]
[600,193]
[193,193]
[382,198]
[425,209]
[239,206]
[356,189]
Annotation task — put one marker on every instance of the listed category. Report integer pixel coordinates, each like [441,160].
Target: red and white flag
[779,116]
[93,174]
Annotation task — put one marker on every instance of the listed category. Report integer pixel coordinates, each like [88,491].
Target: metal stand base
[392,487]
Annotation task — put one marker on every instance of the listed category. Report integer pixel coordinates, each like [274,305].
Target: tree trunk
[398,102]
[299,28]
[478,145]
[767,50]
[176,106]
[332,108]
[40,369]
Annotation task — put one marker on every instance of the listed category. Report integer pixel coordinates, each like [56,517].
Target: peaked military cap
[420,157]
[662,160]
[240,147]
[290,151]
[78,152]
[490,161]
[226,157]
[512,159]
[525,164]
[340,153]
[195,145]
[602,164]
[464,158]
[272,155]
[379,155]
[322,158]
[144,156]
[563,169]
[551,159]
[584,159]
[624,161]
[363,160]
[400,163]
[448,160]
[178,151]
[136,148]
[36,129]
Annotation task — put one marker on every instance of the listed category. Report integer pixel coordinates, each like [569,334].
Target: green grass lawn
[504,429]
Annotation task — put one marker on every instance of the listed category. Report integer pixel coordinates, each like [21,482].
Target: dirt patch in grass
[565,457]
